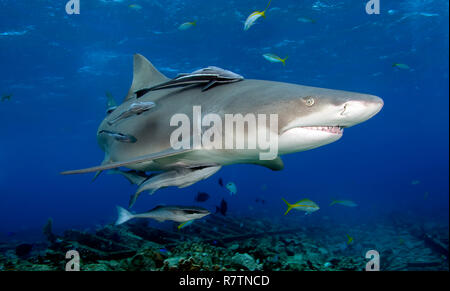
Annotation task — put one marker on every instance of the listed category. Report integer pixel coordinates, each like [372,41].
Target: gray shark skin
[308,117]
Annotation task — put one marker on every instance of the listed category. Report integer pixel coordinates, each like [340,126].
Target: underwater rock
[172,263]
[296,262]
[246,261]
[23,250]
[96,267]
[48,232]
[234,247]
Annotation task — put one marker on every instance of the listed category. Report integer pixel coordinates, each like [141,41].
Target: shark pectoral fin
[145,75]
[150,157]
[275,165]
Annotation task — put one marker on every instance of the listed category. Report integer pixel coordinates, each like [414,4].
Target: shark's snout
[359,110]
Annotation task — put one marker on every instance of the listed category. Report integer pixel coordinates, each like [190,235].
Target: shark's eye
[309,101]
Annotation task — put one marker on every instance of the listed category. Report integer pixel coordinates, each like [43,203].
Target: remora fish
[135,108]
[210,76]
[119,136]
[181,177]
[309,117]
[163,213]
[134,177]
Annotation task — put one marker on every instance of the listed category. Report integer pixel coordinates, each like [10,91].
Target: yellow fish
[184,224]
[401,66]
[135,6]
[251,19]
[350,239]
[303,205]
[187,25]
[275,59]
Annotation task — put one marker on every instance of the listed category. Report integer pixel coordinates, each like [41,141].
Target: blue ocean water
[58,67]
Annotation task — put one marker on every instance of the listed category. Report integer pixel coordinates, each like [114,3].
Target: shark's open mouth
[330,129]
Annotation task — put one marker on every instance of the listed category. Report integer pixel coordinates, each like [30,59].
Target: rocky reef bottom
[234,244]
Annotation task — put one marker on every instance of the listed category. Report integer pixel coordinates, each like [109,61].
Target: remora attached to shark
[308,117]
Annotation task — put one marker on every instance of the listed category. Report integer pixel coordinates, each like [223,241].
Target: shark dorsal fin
[144,75]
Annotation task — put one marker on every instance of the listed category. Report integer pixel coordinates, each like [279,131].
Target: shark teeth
[330,129]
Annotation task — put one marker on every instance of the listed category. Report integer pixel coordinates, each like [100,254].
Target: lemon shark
[308,117]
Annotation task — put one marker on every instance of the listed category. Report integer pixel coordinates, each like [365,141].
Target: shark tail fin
[289,205]
[284,60]
[333,202]
[123,215]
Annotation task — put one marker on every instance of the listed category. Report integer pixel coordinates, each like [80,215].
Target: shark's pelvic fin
[164,154]
[145,75]
[275,165]
[106,160]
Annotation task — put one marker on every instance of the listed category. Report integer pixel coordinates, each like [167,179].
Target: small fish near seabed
[163,213]
[347,203]
[187,25]
[210,77]
[231,187]
[119,136]
[135,108]
[349,239]
[201,197]
[180,178]
[251,19]
[303,205]
[275,59]
[185,224]
[111,104]
[222,208]
[401,66]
